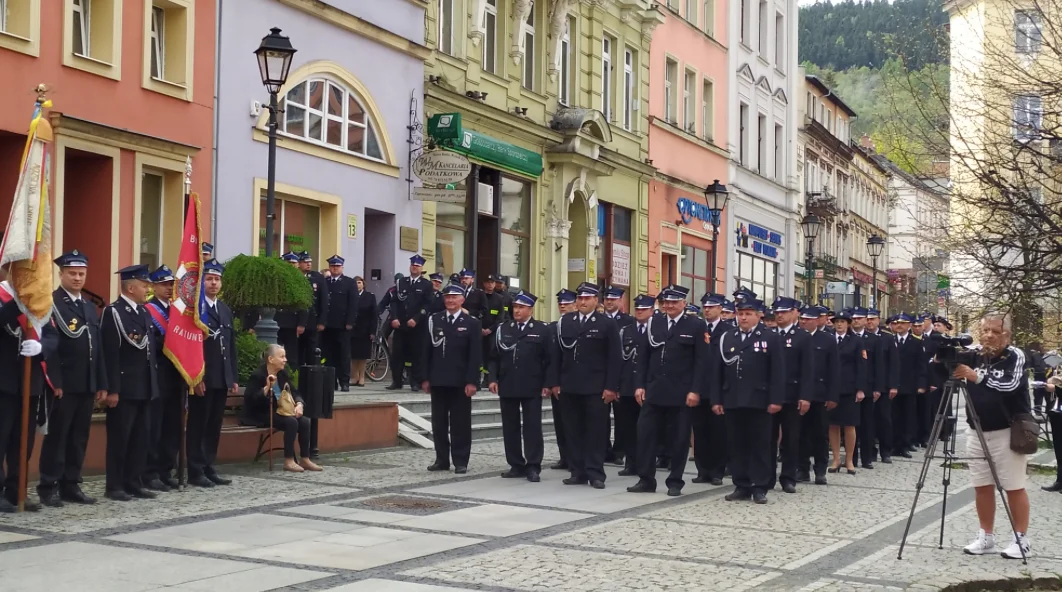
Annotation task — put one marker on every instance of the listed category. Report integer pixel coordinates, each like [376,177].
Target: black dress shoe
[50,497]
[120,496]
[7,507]
[700,479]
[560,465]
[803,477]
[738,495]
[156,485]
[141,493]
[575,481]
[868,466]
[625,472]
[674,491]
[394,386]
[460,470]
[663,463]
[218,479]
[74,495]
[198,481]
[788,487]
[820,479]
[513,474]
[904,454]
[414,388]
[170,482]
[344,389]
[1056,486]
[642,486]
[886,460]
[618,461]
[759,497]
[532,476]
[597,484]
[438,466]
[716,481]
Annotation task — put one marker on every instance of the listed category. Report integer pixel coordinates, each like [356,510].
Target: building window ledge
[93,66]
[165,87]
[318,151]
[23,31]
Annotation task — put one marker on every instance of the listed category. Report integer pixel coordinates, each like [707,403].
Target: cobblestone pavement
[378,522]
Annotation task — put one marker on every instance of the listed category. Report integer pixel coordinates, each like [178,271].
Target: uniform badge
[789,342]
[707,338]
[731,349]
[134,337]
[73,325]
[461,329]
[864,354]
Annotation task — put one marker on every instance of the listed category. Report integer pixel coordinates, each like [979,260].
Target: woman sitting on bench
[269,391]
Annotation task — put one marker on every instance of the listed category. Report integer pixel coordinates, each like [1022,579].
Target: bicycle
[378,366]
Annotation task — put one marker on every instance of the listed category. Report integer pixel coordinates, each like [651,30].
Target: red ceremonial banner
[184,336]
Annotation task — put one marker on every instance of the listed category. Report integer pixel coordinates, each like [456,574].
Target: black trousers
[164,435]
[10,440]
[309,342]
[789,420]
[866,431]
[406,347]
[627,411]
[669,426]
[749,442]
[926,411]
[294,428]
[904,420]
[883,425]
[1055,417]
[205,415]
[127,436]
[63,449]
[337,353]
[814,441]
[584,420]
[523,440]
[451,424]
[289,340]
[558,428]
[709,441]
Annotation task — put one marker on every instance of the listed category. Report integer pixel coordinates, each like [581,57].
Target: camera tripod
[948,414]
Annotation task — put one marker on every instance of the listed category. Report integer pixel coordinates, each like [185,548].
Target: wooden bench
[233,403]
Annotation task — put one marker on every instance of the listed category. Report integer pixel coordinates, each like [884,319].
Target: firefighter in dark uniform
[876,385]
[799,386]
[669,388]
[749,388]
[292,323]
[852,389]
[206,407]
[310,339]
[589,380]
[913,384]
[613,296]
[167,411]
[709,429]
[565,304]
[435,302]
[409,320]
[883,406]
[937,375]
[814,442]
[501,287]
[522,373]
[451,374]
[474,301]
[634,344]
[129,356]
[342,310]
[729,311]
[78,378]
[491,315]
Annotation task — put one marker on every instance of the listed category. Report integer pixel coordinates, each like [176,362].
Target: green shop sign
[445,129]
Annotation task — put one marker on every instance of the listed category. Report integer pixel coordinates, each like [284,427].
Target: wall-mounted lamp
[433,79]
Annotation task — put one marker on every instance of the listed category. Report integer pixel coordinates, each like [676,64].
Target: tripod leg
[929,455]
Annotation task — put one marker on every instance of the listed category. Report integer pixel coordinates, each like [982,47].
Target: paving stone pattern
[378,522]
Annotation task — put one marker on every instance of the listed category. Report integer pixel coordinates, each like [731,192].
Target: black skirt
[846,413]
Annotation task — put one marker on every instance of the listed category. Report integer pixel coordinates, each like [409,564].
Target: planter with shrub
[264,285]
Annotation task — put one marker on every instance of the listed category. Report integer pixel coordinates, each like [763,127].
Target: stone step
[482,401]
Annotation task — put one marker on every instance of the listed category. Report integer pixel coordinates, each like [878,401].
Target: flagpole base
[266,329]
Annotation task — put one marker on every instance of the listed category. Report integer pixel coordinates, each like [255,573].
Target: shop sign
[761,240]
[439,194]
[408,238]
[863,278]
[690,210]
[441,167]
[445,128]
[621,264]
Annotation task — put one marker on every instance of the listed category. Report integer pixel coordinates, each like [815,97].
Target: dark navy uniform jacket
[522,361]
[936,373]
[827,367]
[166,373]
[77,366]
[219,347]
[799,364]
[876,374]
[751,373]
[890,360]
[853,368]
[411,300]
[634,348]
[129,351]
[590,356]
[913,365]
[677,361]
[11,364]
[342,302]
[454,352]
[318,313]
[622,319]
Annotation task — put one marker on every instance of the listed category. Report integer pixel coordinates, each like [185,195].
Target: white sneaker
[1019,544]
[984,543]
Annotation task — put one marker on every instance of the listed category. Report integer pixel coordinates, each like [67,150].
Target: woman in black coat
[260,399]
[363,333]
[844,418]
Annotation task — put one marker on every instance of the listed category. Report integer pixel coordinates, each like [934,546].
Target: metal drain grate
[405,504]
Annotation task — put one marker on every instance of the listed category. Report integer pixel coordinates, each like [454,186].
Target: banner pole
[182,465]
[23,461]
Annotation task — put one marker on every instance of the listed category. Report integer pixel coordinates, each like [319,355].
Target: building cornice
[359,26]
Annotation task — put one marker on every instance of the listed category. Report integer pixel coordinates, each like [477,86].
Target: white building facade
[763,79]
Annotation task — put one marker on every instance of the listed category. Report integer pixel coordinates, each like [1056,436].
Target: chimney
[866,143]
[941,168]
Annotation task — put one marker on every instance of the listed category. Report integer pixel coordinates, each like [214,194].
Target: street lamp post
[715,197]
[810,225]
[875,245]
[274,62]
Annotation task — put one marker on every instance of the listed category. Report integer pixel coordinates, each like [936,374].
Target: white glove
[30,348]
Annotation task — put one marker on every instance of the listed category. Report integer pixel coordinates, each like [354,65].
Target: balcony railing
[822,204]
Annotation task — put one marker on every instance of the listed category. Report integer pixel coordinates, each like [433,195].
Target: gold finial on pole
[42,91]
[188,175]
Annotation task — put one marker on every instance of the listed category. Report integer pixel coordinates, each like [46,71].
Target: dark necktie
[671,324]
[452,318]
[744,335]
[641,329]
[77,306]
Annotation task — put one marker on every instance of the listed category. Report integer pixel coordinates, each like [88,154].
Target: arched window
[325,112]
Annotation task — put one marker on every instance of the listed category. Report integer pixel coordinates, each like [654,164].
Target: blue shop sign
[768,242]
[689,209]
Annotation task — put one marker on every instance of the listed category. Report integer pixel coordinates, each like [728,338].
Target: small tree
[265,285]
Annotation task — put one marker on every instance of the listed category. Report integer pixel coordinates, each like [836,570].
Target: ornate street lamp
[810,225]
[274,63]
[875,246]
[715,197]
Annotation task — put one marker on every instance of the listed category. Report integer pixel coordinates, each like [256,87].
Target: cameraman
[997,390]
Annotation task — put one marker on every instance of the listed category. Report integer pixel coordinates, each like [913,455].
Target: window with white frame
[743,135]
[446,26]
[324,112]
[691,11]
[1028,32]
[709,17]
[606,77]
[779,42]
[745,24]
[490,37]
[670,82]
[564,90]
[628,89]
[529,50]
[707,109]
[761,144]
[779,148]
[1028,117]
[158,42]
[689,98]
[82,26]
[763,29]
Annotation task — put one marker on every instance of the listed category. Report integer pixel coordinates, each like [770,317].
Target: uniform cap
[467,273]
[416,260]
[858,312]
[748,304]
[903,318]
[644,301]
[809,312]
[436,277]
[674,293]
[208,250]
[305,257]
[525,298]
[134,272]
[213,267]
[743,293]
[336,260]
[290,257]
[844,315]
[873,313]
[453,289]
[161,275]
[691,309]
[565,296]
[74,258]
[728,306]
[710,299]
[784,303]
[614,293]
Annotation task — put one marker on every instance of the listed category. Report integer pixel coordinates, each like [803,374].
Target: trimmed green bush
[264,282]
[249,353]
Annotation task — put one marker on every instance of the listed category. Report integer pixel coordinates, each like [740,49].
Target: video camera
[953,351]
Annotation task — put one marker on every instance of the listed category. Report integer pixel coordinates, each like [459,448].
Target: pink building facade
[687,143]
